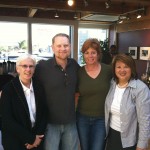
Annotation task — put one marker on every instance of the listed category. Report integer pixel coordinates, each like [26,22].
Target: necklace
[122,86]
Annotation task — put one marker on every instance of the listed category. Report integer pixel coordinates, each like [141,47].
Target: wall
[112,35]
[135,32]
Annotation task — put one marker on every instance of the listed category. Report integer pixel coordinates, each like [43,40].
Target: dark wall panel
[140,38]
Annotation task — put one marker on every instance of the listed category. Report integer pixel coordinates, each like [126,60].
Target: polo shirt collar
[55,63]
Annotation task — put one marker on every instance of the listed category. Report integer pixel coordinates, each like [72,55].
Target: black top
[4,79]
[16,123]
[60,86]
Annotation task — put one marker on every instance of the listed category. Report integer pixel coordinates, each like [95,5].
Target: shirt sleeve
[143,114]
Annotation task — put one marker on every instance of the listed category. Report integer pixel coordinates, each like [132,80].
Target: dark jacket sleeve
[10,124]
[42,111]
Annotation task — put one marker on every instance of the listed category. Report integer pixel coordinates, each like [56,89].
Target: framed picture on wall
[144,53]
[133,51]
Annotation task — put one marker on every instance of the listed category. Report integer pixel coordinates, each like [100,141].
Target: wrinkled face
[122,71]
[61,47]
[25,69]
[91,56]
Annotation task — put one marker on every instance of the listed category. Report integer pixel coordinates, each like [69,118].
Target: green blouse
[93,91]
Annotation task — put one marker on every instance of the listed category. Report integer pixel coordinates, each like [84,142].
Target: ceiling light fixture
[70,2]
[138,15]
[107,4]
[120,21]
[75,16]
[127,15]
[56,15]
[86,3]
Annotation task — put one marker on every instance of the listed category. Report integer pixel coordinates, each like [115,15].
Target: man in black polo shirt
[59,78]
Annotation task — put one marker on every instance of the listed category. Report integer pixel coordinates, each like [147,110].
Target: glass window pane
[42,35]
[85,33]
[13,40]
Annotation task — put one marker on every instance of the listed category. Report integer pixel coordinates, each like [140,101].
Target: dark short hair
[129,61]
[91,43]
[113,50]
[62,35]
[113,46]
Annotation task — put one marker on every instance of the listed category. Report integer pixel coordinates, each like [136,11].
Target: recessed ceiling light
[70,2]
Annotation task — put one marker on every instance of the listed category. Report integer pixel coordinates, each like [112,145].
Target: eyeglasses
[26,66]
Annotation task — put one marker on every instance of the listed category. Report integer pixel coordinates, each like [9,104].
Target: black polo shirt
[60,86]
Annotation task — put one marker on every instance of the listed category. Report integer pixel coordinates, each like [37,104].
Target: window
[13,40]
[42,35]
[85,33]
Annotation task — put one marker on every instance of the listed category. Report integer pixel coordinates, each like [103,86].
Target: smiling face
[61,48]
[90,56]
[25,69]
[123,72]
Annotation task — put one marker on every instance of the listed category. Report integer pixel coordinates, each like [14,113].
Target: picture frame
[133,51]
[144,53]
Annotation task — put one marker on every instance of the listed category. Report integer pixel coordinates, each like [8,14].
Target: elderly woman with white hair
[23,109]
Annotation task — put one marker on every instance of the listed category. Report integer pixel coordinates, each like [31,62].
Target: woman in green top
[94,83]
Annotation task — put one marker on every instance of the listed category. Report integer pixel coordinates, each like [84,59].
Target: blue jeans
[65,134]
[91,132]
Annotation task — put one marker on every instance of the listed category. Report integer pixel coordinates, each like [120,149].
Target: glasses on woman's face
[27,66]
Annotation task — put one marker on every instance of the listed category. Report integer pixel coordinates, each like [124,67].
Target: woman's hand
[140,148]
[76,98]
[0,93]
[36,142]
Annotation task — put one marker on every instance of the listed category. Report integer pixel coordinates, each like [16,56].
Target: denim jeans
[91,132]
[65,134]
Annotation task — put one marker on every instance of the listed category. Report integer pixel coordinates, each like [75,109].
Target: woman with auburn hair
[94,82]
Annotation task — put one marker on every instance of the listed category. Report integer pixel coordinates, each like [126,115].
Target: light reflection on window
[13,40]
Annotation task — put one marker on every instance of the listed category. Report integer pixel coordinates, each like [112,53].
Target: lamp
[75,16]
[108,3]
[128,17]
[56,15]
[86,3]
[120,21]
[138,15]
[70,2]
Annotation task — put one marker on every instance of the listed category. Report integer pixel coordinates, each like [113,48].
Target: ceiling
[86,10]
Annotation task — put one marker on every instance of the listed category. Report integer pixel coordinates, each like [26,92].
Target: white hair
[24,57]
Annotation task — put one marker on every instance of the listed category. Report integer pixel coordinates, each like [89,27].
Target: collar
[57,65]
[26,88]
[132,83]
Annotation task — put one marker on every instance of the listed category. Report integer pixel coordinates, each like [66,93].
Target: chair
[5,78]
